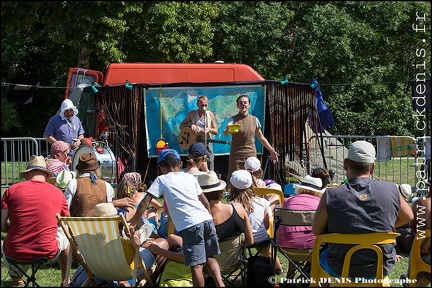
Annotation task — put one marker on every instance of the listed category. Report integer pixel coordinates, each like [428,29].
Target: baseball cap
[166,152]
[198,149]
[252,164]
[361,151]
[241,179]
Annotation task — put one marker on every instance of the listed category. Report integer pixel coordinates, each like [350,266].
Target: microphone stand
[205,127]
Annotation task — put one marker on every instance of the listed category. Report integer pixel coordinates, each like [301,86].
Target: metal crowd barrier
[16,153]
[411,169]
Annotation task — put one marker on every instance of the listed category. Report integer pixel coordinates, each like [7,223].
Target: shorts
[199,243]
[62,242]
[148,258]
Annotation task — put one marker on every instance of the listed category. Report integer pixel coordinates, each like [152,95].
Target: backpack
[259,270]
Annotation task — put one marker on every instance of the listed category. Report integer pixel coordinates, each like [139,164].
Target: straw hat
[63,178]
[36,163]
[405,191]
[210,182]
[105,210]
[310,183]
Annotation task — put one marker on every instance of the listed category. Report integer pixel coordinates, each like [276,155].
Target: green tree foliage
[363,54]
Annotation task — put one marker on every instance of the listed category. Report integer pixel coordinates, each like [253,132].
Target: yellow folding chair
[97,245]
[416,263]
[359,241]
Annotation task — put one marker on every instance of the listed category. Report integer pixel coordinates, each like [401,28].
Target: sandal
[17,281]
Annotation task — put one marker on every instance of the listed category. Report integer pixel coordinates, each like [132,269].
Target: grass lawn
[51,277]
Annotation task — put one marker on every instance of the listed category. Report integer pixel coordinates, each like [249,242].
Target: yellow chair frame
[416,263]
[360,241]
[261,191]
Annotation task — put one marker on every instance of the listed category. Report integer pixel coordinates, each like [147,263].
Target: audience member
[253,165]
[197,161]
[308,194]
[149,258]
[189,211]
[361,205]
[243,142]
[88,189]
[405,239]
[58,159]
[65,126]
[257,208]
[28,216]
[230,219]
[323,174]
[132,187]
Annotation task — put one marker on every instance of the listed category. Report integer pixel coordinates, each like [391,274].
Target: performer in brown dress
[243,142]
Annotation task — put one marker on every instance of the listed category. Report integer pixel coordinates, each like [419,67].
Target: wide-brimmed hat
[241,179]
[58,147]
[105,210]
[310,183]
[210,182]
[405,191]
[63,178]
[36,163]
[252,164]
[198,149]
[87,162]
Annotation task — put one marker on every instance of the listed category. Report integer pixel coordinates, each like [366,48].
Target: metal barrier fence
[407,169]
[16,153]
[412,168]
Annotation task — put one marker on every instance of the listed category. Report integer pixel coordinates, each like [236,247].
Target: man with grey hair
[360,206]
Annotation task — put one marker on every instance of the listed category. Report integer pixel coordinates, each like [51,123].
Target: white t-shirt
[256,219]
[180,191]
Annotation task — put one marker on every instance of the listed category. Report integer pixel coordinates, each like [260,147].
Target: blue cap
[198,149]
[165,152]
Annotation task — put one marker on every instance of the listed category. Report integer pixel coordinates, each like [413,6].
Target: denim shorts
[199,243]
[148,258]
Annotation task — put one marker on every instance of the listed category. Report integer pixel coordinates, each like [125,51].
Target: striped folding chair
[97,246]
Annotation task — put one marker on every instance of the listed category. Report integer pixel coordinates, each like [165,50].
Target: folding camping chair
[97,245]
[299,258]
[232,260]
[35,265]
[358,241]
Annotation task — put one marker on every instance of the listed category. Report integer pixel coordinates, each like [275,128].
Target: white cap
[252,164]
[241,179]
